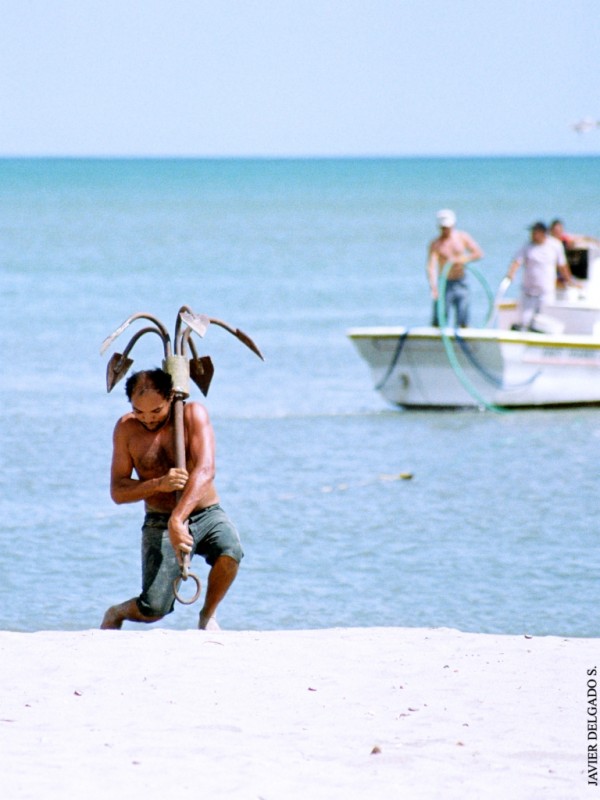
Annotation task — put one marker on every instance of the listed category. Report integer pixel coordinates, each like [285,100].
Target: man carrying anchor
[183,514]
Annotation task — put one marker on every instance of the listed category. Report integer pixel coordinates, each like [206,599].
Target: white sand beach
[342,713]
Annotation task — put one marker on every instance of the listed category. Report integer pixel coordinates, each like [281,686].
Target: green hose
[441,313]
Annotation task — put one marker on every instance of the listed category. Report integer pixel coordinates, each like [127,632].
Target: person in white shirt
[540,258]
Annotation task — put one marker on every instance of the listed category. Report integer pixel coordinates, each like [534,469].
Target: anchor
[199,368]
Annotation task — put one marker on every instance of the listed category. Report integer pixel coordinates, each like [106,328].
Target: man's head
[150,393]
[446,218]
[538,232]
[557,228]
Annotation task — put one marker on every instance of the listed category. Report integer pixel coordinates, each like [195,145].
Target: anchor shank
[180,461]
[179,432]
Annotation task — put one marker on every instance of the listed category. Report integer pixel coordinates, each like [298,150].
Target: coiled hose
[447,342]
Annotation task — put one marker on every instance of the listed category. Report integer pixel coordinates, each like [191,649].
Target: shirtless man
[460,249]
[143,442]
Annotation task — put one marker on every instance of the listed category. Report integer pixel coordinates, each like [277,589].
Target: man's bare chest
[152,454]
[450,248]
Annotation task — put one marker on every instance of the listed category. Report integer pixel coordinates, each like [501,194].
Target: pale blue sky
[298,77]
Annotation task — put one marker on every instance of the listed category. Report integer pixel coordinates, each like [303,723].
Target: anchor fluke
[117,368]
[201,372]
[243,337]
[197,322]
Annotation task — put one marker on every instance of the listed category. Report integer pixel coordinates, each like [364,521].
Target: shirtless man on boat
[458,248]
[190,522]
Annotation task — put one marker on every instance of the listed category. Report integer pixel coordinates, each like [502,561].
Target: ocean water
[497,531]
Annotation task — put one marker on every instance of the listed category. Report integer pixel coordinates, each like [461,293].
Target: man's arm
[474,252]
[124,488]
[514,265]
[199,488]
[580,240]
[433,270]
[564,270]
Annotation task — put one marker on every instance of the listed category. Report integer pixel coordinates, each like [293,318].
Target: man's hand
[174,481]
[180,537]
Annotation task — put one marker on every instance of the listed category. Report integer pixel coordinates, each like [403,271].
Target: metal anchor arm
[119,364]
[243,337]
[140,315]
[137,336]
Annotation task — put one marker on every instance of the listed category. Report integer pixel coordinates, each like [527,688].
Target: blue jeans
[457,297]
[214,535]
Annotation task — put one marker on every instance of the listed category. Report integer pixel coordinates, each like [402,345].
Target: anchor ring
[196,595]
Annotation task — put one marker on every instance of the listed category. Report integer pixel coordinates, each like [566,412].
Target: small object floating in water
[401,476]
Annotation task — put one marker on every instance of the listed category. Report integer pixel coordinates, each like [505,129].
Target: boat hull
[429,367]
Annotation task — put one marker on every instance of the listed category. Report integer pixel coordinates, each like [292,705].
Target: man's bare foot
[116,615]
[111,620]
[209,624]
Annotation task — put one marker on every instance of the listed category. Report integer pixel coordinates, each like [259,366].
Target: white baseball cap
[446,218]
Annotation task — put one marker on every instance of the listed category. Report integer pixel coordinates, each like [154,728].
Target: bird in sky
[585,125]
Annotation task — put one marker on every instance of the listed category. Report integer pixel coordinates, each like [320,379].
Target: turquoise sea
[498,529]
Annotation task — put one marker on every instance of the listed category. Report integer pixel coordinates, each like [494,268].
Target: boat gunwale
[580,341]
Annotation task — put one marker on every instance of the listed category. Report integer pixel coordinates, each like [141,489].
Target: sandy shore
[343,713]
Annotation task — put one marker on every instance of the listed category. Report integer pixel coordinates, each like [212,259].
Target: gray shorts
[214,535]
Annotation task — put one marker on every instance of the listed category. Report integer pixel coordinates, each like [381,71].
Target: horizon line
[279,157]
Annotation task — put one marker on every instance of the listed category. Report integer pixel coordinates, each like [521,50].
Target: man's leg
[159,569]
[116,615]
[461,304]
[448,305]
[530,306]
[220,578]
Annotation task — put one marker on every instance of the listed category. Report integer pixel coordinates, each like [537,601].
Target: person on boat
[458,248]
[557,230]
[540,258]
[568,240]
[189,522]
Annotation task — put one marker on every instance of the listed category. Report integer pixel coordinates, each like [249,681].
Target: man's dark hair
[145,379]
[539,226]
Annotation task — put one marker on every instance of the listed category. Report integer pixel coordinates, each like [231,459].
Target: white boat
[497,367]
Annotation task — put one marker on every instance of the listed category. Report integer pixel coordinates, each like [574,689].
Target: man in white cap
[458,248]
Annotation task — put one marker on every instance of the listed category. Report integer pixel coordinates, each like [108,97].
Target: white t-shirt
[540,262]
